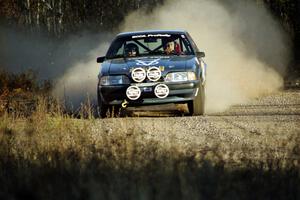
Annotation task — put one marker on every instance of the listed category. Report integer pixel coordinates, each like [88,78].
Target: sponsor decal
[139,36]
[147,63]
[162,68]
[151,35]
[147,89]
[159,35]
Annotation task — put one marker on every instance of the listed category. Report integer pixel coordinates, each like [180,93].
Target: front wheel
[196,106]
[105,111]
[102,108]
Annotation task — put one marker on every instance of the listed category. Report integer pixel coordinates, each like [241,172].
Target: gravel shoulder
[251,147]
[265,128]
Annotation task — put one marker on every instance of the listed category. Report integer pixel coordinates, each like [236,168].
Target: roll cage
[149,45]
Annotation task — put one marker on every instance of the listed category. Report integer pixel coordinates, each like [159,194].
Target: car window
[120,50]
[149,45]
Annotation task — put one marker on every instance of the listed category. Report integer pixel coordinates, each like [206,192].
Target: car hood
[167,63]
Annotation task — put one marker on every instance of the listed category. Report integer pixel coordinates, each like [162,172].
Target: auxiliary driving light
[161,91]
[153,74]
[138,74]
[133,92]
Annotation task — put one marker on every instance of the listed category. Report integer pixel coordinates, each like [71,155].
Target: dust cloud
[79,82]
[50,57]
[69,62]
[247,52]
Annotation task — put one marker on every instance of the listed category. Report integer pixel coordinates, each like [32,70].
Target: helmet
[131,50]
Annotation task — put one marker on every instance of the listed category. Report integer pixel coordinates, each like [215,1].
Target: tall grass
[59,157]
[48,154]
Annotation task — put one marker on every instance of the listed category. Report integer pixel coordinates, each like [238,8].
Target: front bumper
[180,92]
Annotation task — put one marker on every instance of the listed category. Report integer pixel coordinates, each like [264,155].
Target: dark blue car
[149,68]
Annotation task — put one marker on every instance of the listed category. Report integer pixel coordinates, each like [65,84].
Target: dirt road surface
[250,151]
[267,127]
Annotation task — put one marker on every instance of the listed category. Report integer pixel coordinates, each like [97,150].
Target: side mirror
[100,59]
[200,54]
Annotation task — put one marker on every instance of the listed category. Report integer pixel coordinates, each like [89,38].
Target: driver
[131,50]
[169,48]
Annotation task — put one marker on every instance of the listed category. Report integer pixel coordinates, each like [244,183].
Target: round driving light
[138,74]
[133,92]
[153,74]
[161,91]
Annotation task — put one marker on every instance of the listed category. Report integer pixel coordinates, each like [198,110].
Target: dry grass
[48,154]
[59,157]
[21,93]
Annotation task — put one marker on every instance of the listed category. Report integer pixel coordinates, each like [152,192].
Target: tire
[115,111]
[105,111]
[196,106]
[102,108]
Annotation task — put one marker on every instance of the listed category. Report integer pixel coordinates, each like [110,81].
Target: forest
[59,18]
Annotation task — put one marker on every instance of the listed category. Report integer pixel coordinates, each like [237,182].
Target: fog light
[133,92]
[161,91]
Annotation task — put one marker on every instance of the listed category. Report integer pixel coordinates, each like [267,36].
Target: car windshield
[150,45]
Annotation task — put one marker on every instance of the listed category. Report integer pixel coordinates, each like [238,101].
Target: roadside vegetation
[19,93]
[47,154]
[57,157]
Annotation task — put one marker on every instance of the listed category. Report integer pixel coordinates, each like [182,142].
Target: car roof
[152,32]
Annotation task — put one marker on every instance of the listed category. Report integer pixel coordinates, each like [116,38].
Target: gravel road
[263,128]
[250,151]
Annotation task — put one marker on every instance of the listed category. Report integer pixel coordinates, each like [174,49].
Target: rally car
[149,68]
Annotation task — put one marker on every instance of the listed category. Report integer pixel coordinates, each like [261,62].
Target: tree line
[61,17]
[288,12]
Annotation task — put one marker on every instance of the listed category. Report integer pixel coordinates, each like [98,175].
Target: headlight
[180,76]
[114,80]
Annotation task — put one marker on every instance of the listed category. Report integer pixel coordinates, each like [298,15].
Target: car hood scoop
[166,64]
